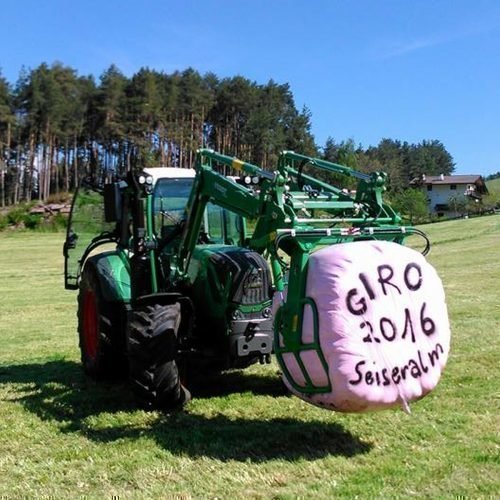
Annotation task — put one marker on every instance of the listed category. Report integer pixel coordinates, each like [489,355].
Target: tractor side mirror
[70,243]
[112,201]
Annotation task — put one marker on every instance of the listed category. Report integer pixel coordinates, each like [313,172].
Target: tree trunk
[181,145]
[66,166]
[31,167]
[46,187]
[55,167]
[161,145]
[17,184]
[75,162]
[202,123]
[191,142]
[2,185]
[6,163]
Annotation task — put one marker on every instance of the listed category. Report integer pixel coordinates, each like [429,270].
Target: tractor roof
[170,173]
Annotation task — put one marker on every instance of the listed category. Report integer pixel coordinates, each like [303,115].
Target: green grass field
[62,435]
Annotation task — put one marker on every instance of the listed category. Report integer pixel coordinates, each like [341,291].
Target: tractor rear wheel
[152,351]
[99,330]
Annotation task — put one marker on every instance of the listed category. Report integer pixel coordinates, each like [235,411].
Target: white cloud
[400,48]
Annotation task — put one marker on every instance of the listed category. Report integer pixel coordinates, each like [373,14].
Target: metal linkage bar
[229,161]
[317,162]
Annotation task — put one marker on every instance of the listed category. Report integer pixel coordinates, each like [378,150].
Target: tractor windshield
[170,199]
[171,196]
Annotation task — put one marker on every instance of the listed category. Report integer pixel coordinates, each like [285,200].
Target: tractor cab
[96,218]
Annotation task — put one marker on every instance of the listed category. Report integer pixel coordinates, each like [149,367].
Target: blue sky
[366,69]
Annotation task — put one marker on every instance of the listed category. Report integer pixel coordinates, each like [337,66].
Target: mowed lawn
[242,436]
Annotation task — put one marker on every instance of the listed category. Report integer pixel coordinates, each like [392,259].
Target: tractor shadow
[213,384]
[57,391]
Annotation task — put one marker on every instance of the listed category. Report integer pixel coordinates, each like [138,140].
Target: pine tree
[6,124]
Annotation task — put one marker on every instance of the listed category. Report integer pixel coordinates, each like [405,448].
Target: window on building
[453,187]
[429,187]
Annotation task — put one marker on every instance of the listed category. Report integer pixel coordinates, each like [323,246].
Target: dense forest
[56,125]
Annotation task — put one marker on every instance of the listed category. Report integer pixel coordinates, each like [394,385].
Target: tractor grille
[251,280]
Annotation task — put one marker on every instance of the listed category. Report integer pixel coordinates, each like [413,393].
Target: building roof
[447,179]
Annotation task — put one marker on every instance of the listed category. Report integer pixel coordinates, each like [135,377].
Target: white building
[447,195]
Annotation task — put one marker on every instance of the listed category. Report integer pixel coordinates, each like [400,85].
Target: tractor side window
[224,226]
[87,215]
[234,229]
[215,230]
[86,223]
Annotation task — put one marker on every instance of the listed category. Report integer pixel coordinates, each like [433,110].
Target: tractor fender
[113,272]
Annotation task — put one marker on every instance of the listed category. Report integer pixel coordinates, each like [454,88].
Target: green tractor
[171,281]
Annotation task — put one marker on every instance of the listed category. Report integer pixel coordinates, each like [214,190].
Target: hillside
[494,187]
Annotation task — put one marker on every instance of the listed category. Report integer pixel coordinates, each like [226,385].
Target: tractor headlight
[267,312]
[149,180]
[142,179]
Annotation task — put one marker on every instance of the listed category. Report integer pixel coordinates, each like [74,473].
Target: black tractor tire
[100,331]
[152,352]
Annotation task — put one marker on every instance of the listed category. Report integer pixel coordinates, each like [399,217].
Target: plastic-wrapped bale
[383,328]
